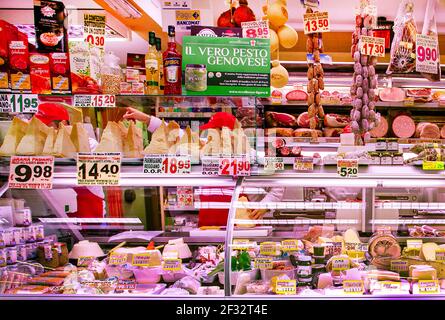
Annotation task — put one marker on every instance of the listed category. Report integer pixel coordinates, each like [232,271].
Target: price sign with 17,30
[427,54]
[234,166]
[100,169]
[316,22]
[372,46]
[167,164]
[95,101]
[256,29]
[31,172]
[347,168]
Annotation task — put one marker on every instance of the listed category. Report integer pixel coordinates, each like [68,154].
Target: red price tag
[256,29]
[95,40]
[31,172]
[316,22]
[235,166]
[427,54]
[371,46]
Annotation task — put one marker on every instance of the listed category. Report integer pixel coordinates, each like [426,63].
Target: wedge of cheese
[34,140]
[123,129]
[111,140]
[243,214]
[189,144]
[159,142]
[15,133]
[75,114]
[79,136]
[133,145]
[428,251]
[64,147]
[226,141]
[213,144]
[173,134]
[48,148]
[351,236]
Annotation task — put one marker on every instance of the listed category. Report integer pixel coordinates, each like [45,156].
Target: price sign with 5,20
[31,172]
[371,46]
[256,29]
[427,54]
[234,166]
[347,168]
[316,22]
[164,164]
[100,169]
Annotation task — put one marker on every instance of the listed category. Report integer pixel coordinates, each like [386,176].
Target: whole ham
[419,93]
[332,132]
[427,130]
[279,132]
[442,132]
[392,95]
[277,119]
[296,95]
[403,126]
[381,130]
[336,120]
[303,120]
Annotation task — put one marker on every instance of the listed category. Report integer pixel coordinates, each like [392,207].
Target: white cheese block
[428,251]
[16,132]
[158,143]
[48,148]
[213,145]
[133,145]
[351,236]
[64,147]
[34,140]
[111,140]
[79,136]
[226,141]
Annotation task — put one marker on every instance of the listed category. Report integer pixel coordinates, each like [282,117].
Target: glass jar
[23,217]
[196,77]
[11,255]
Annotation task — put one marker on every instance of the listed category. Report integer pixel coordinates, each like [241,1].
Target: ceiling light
[124,9]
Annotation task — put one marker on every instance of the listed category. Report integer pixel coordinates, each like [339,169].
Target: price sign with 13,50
[167,164]
[347,168]
[95,101]
[100,169]
[427,55]
[372,46]
[316,22]
[234,166]
[256,29]
[31,172]
[273,164]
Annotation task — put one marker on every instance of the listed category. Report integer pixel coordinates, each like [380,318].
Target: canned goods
[23,217]
[30,234]
[17,235]
[40,232]
[2,239]
[11,255]
[29,251]
[22,253]
[2,257]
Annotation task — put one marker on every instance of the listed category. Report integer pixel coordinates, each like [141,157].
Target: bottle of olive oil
[151,67]
[161,66]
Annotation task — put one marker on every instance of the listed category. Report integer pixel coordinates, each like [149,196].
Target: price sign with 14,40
[234,166]
[31,172]
[372,46]
[167,164]
[347,168]
[427,54]
[256,29]
[101,169]
[316,22]
[95,101]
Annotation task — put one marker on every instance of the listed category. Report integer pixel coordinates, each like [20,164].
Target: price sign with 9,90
[165,164]
[372,46]
[347,168]
[256,29]
[234,166]
[31,172]
[100,169]
[316,22]
[427,55]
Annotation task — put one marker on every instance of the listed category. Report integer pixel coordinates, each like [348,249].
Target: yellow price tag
[353,287]
[390,286]
[428,286]
[143,260]
[289,245]
[433,165]
[263,263]
[414,243]
[286,287]
[117,259]
[440,255]
[340,264]
[172,265]
[268,249]
[241,244]
[399,266]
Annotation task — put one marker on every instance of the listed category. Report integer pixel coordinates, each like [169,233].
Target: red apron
[88,204]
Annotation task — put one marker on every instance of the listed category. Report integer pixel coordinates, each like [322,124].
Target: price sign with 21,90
[371,46]
[347,168]
[316,22]
[31,172]
[100,169]
[165,164]
[234,166]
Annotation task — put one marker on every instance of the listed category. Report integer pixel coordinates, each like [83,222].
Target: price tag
[433,165]
[428,287]
[117,259]
[101,169]
[399,266]
[273,164]
[5,105]
[286,287]
[353,287]
[167,164]
[408,102]
[263,263]
[85,261]
[372,46]
[268,248]
[94,29]
[290,245]
[128,284]
[304,164]
[347,168]
[414,243]
[427,54]
[31,172]
[311,3]
[256,29]
[172,265]
[440,255]
[26,103]
[241,244]
[333,248]
[390,286]
[340,264]
[95,101]
[234,166]
[210,166]
[356,254]
[316,22]
[143,260]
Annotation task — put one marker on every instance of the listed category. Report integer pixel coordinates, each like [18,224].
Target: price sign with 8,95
[234,166]
[100,169]
[165,164]
[316,22]
[371,46]
[256,29]
[31,172]
[347,168]
[427,55]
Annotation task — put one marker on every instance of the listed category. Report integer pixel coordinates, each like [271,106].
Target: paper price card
[372,46]
[290,245]
[26,103]
[94,29]
[263,263]
[85,261]
[340,264]
[428,286]
[433,165]
[256,29]
[427,54]
[333,248]
[304,164]
[167,164]
[399,266]
[241,244]
[347,168]
[440,255]
[172,265]
[31,172]
[210,166]
[101,169]
[316,22]
[143,260]
[273,164]
[95,101]
[268,248]
[234,166]
[117,259]
[414,243]
[390,286]
[5,106]
[353,287]
[126,285]
[286,287]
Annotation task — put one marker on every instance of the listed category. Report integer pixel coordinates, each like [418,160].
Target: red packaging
[40,76]
[8,32]
[60,72]
[19,77]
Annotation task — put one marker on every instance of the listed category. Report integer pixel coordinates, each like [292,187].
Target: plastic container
[267,275]
[118,271]
[234,276]
[146,275]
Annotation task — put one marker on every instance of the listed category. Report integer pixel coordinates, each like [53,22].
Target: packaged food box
[132,75]
[8,32]
[125,88]
[137,88]
[135,61]
[19,77]
[82,64]
[40,75]
[60,72]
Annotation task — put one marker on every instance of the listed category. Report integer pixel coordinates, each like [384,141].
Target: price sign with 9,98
[256,29]
[372,46]
[234,166]
[316,22]
[100,169]
[427,55]
[347,168]
[31,172]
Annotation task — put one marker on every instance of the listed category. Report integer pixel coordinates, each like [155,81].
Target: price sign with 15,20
[101,169]
[372,46]
[31,172]
[347,168]
[95,101]
[167,164]
[234,166]
[316,22]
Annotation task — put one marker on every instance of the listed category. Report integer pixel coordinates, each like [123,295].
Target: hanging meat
[235,16]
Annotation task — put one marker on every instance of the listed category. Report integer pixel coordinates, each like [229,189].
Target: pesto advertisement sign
[226,66]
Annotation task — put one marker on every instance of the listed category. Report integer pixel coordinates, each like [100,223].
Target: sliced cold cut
[392,94]
[306,133]
[403,126]
[427,130]
[381,130]
[303,120]
[336,120]
[296,95]
[332,132]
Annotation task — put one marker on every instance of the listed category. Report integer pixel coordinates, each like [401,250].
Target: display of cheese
[49,142]
[64,147]
[189,144]
[111,140]
[133,146]
[422,272]
[74,113]
[79,136]
[34,139]
[213,144]
[324,281]
[226,141]
[428,251]
[351,236]
[165,139]
[173,134]
[243,214]
[15,133]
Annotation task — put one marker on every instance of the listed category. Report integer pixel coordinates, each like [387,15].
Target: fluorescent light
[124,9]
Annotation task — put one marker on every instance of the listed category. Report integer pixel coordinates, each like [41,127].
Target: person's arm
[152,122]
[272,195]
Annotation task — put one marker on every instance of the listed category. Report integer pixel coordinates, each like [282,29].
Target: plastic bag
[430,29]
[403,48]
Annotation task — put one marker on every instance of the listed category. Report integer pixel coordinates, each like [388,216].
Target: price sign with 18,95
[31,172]
[427,54]
[100,169]
[347,168]
[316,22]
[256,29]
[167,164]
[234,166]
[371,46]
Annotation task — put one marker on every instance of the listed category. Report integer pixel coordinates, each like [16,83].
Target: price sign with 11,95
[167,164]
[31,172]
[26,103]
[372,46]
[100,169]
[427,55]
[347,168]
[316,22]
[94,29]
[256,29]
[234,166]
[95,101]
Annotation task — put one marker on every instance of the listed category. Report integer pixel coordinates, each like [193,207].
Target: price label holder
[234,166]
[414,243]
[31,172]
[433,165]
[167,164]
[210,166]
[23,103]
[408,102]
[334,248]
[256,29]
[353,287]
[304,164]
[263,263]
[268,248]
[390,286]
[429,287]
[347,168]
[316,22]
[241,244]
[95,101]
[427,54]
[286,287]
[440,255]
[85,261]
[126,284]
[94,29]
[340,264]
[99,169]
[290,245]
[5,105]
[372,46]
[143,260]
[399,266]
[273,164]
[117,259]
[172,265]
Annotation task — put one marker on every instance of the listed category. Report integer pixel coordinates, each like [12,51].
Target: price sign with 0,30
[31,172]
[98,168]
